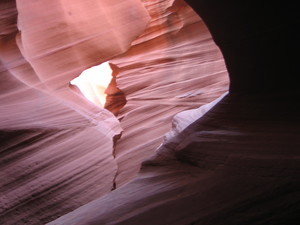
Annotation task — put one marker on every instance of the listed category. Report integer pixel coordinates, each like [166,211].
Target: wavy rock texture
[173,66]
[57,150]
[239,162]
[54,143]
[222,169]
[232,161]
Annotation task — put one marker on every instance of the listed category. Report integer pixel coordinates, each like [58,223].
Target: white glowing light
[93,82]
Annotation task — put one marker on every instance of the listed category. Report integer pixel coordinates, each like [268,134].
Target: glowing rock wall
[54,143]
[236,164]
[173,66]
[57,150]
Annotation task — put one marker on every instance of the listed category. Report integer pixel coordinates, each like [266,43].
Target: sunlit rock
[238,163]
[93,81]
[174,57]
[231,157]
[55,144]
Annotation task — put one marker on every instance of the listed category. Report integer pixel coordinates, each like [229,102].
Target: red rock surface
[234,161]
[173,66]
[55,144]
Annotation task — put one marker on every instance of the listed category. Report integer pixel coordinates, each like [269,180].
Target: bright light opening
[93,81]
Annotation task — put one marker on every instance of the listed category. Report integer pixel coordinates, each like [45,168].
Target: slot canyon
[196,121]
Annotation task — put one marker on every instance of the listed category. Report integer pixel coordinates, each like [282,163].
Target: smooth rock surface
[65,161]
[234,165]
[54,143]
[238,163]
[173,66]
[59,151]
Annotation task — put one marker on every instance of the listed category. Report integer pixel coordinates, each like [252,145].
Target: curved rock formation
[173,66]
[233,161]
[56,145]
[239,163]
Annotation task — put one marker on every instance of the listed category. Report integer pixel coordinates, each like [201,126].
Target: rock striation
[231,158]
[173,66]
[239,162]
[59,151]
[54,143]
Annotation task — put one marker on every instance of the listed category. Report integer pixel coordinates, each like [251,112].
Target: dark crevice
[115,140]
